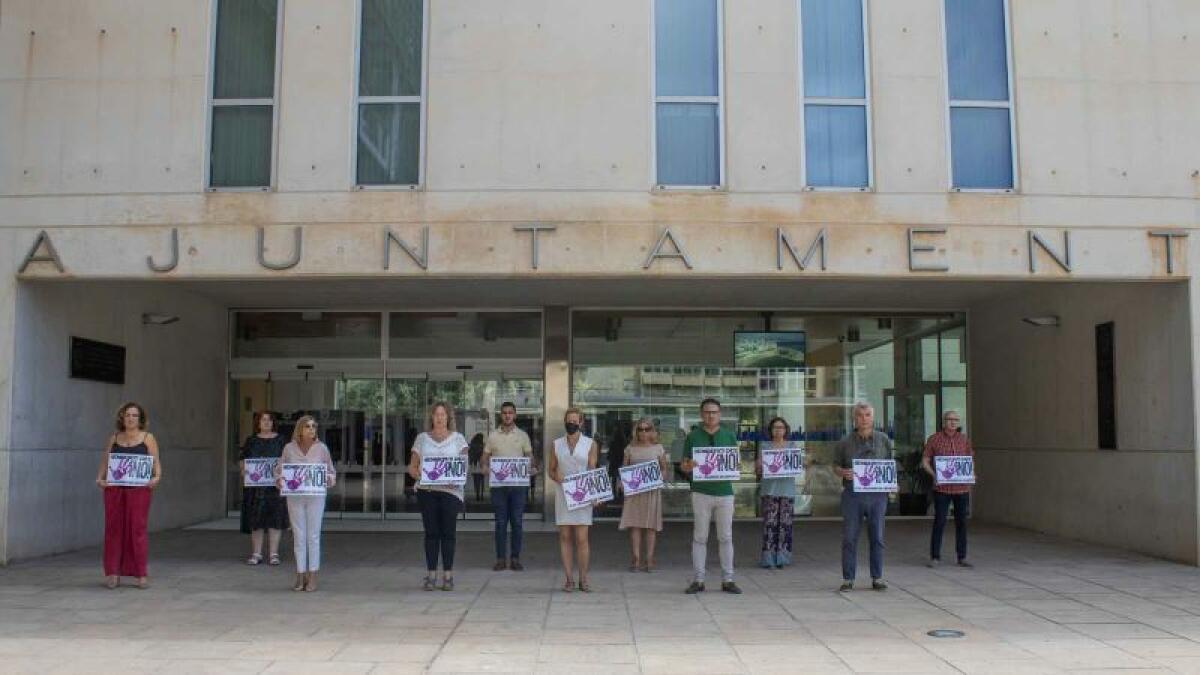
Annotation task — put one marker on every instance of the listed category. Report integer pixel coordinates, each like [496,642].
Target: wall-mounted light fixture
[1047,321]
[156,319]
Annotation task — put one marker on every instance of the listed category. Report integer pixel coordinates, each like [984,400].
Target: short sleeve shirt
[513,443]
[852,447]
[699,438]
[942,444]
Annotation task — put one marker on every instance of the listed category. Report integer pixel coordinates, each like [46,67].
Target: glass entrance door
[476,398]
[349,414]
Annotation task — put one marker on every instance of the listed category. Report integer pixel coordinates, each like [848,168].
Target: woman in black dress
[262,507]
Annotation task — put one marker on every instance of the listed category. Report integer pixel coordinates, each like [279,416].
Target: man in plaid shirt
[948,442]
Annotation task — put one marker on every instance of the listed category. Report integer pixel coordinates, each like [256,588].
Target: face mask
[572,428]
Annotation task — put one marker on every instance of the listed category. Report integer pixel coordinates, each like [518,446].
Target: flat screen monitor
[775,349]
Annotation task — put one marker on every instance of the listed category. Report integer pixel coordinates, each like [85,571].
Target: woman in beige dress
[642,514]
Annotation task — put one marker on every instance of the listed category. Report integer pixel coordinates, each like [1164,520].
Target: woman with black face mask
[572,454]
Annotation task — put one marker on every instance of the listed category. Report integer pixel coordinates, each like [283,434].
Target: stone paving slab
[1032,604]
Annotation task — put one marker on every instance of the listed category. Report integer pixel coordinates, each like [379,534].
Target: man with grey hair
[948,442]
[865,442]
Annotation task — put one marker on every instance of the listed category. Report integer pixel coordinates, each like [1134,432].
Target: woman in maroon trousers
[126,508]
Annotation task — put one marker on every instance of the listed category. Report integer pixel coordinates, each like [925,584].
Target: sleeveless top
[450,446]
[257,447]
[139,449]
[572,462]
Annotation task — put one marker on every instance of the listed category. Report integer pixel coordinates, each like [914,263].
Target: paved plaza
[1031,605]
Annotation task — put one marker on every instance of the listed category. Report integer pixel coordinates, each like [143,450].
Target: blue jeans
[509,504]
[941,507]
[855,507]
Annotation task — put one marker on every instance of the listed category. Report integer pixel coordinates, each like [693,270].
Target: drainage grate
[945,633]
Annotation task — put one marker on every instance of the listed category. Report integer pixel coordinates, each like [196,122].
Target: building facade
[353,208]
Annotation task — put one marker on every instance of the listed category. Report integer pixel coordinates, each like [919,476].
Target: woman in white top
[305,512]
[572,454]
[440,503]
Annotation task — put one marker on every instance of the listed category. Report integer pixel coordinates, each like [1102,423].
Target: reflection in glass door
[348,412]
[476,399]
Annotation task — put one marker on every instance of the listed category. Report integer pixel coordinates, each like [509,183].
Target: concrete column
[556,387]
[8,312]
[1193,253]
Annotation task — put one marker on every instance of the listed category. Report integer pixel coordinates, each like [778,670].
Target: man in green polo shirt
[711,500]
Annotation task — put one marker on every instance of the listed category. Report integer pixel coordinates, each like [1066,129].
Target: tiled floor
[1032,605]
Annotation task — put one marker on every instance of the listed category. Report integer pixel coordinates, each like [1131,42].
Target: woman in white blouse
[440,503]
[573,453]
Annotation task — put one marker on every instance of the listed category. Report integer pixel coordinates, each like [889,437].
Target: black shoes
[879,584]
[515,565]
[499,566]
[695,587]
[730,587]
[846,586]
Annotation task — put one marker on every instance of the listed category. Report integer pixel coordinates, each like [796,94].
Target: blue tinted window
[685,58]
[688,146]
[835,145]
[981,148]
[833,48]
[976,49]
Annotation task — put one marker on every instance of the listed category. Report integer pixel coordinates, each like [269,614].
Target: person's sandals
[427,585]
[299,585]
[448,584]
[649,566]
[254,559]
[310,585]
[112,582]
[584,587]
[274,559]
[635,565]
[568,585]
[143,583]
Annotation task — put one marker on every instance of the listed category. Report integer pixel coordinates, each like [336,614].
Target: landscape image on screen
[768,349]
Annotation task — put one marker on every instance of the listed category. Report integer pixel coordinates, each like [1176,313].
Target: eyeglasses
[644,429]
[710,412]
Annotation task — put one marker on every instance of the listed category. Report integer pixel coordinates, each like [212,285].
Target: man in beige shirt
[509,502]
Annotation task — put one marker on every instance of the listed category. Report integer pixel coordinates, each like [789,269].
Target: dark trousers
[857,506]
[439,514]
[509,505]
[941,506]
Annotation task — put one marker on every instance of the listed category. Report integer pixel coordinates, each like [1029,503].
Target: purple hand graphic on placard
[776,463]
[865,479]
[948,472]
[710,463]
[578,493]
[502,474]
[439,468]
[294,482]
[255,475]
[634,482]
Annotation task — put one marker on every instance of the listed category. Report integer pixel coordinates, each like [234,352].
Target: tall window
[981,127]
[242,133]
[836,132]
[687,93]
[389,92]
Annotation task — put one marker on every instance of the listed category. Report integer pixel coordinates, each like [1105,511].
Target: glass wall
[368,377]
[660,365]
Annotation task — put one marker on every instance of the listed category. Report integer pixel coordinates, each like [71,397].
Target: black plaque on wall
[1106,387]
[99,361]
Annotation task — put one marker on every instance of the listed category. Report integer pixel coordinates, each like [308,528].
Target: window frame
[1007,104]
[359,101]
[718,100]
[865,103]
[212,103]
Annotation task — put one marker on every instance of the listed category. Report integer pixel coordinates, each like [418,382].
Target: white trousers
[305,513]
[706,509]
